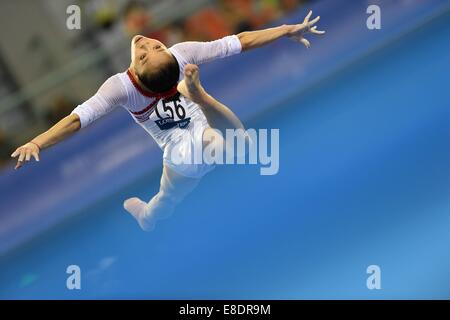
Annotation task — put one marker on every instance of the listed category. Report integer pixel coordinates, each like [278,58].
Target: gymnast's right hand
[25,153]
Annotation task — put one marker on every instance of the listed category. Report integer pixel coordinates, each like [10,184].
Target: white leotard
[164,121]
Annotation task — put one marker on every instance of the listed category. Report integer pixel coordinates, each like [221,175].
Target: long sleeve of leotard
[202,52]
[110,95]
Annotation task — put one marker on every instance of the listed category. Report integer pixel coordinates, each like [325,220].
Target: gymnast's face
[147,54]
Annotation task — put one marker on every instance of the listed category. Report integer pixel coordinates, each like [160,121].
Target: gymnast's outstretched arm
[194,52]
[110,95]
[55,134]
[255,39]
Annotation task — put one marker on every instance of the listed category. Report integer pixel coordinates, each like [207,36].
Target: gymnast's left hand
[298,31]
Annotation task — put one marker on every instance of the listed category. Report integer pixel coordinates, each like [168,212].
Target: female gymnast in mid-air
[162,91]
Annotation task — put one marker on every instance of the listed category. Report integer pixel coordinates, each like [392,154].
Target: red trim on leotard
[151,105]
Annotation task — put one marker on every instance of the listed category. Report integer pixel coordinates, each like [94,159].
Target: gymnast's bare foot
[138,209]
[191,87]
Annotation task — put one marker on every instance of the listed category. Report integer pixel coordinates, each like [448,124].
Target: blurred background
[364,123]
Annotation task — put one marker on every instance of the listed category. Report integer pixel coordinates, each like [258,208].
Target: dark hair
[163,78]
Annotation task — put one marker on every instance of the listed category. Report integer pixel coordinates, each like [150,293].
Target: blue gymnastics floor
[364,179]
